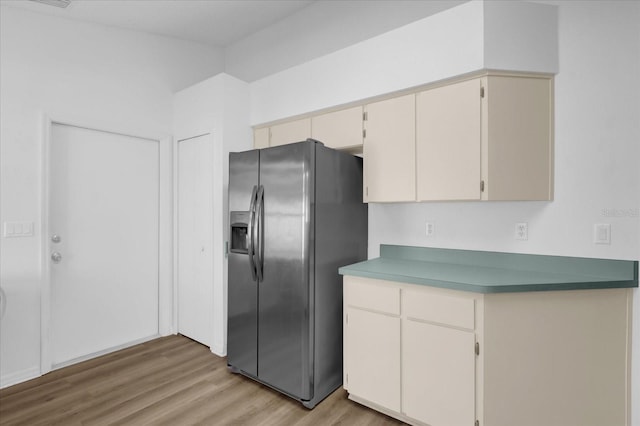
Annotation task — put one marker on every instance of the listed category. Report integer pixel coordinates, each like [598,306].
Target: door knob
[56,257]
[55,238]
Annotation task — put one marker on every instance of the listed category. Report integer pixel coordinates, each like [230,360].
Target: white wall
[392,61]
[218,105]
[319,29]
[597,129]
[91,75]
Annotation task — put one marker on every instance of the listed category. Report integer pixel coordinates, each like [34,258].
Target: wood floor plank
[168,381]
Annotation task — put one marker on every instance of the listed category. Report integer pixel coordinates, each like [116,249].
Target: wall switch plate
[17,229]
[430,229]
[522,231]
[602,233]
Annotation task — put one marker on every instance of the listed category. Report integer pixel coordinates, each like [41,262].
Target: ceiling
[217,23]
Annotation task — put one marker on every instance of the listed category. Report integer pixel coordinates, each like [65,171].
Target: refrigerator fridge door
[242,325]
[285,311]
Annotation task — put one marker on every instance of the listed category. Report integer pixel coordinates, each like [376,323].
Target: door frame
[164,295]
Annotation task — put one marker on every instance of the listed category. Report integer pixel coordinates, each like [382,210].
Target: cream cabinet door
[519,133]
[389,150]
[438,381]
[372,359]
[340,129]
[261,138]
[290,132]
[448,142]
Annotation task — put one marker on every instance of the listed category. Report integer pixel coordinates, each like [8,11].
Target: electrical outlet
[430,229]
[602,233]
[522,231]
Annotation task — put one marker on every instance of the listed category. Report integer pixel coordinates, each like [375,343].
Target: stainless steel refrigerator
[296,215]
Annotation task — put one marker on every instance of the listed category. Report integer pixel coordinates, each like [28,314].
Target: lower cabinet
[370,332]
[438,378]
[409,353]
[439,357]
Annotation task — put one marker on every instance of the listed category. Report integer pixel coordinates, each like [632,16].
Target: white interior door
[195,238]
[103,209]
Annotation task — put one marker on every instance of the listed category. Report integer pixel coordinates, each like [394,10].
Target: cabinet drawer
[439,308]
[372,294]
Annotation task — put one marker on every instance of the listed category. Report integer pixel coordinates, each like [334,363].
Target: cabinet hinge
[482,92]
[364,133]
[477,422]
[481,186]
[347,319]
[347,378]
[477,348]
[365,116]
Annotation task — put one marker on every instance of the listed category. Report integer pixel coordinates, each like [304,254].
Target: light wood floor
[168,381]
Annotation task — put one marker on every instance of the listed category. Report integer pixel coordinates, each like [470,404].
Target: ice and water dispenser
[239,237]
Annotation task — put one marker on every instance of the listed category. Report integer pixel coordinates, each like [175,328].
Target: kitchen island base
[434,356]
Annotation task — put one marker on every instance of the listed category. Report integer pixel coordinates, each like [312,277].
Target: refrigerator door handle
[251,232]
[260,232]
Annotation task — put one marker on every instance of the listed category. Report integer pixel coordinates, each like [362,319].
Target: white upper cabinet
[488,138]
[389,150]
[261,137]
[290,132]
[339,129]
[517,121]
[448,140]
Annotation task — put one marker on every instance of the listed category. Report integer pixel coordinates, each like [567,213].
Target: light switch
[18,229]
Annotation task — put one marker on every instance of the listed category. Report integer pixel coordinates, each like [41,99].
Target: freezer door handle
[260,232]
[251,232]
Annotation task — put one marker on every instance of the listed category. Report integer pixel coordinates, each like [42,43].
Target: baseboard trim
[103,352]
[11,379]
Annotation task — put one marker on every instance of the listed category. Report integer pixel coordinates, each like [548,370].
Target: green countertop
[492,272]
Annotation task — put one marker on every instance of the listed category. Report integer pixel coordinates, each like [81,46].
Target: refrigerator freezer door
[285,309]
[242,308]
